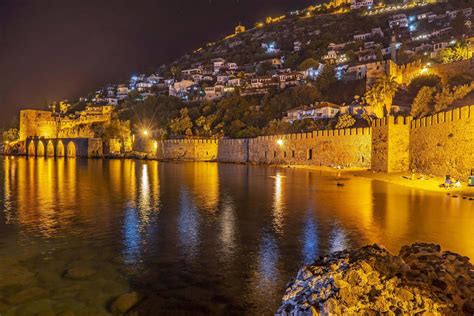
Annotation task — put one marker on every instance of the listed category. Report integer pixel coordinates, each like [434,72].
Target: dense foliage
[232,116]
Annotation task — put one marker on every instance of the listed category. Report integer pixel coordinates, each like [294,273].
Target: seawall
[443,144]
[440,144]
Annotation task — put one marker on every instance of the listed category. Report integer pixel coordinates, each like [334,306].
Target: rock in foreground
[421,280]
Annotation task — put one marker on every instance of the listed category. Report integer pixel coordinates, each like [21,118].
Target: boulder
[124,303]
[422,279]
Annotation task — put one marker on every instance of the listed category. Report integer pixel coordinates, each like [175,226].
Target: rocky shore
[420,280]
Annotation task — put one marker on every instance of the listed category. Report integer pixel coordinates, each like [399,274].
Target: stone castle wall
[390,144]
[233,150]
[344,147]
[37,123]
[442,144]
[187,150]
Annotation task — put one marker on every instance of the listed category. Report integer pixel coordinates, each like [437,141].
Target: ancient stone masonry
[344,147]
[63,147]
[421,280]
[443,143]
[390,143]
[233,150]
[440,144]
[187,150]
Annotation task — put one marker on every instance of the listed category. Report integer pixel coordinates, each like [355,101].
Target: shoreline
[421,181]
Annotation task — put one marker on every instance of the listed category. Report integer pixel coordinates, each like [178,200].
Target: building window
[274,154]
[310,154]
[292,154]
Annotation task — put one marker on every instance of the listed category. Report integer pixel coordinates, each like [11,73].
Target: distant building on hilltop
[239,29]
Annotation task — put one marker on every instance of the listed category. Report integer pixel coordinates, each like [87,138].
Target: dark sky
[58,49]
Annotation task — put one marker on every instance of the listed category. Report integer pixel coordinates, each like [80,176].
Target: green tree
[345,121]
[423,81]
[10,135]
[422,104]
[326,78]
[380,95]
[182,125]
[119,130]
[308,63]
[264,68]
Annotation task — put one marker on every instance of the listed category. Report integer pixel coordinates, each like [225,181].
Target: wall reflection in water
[245,229]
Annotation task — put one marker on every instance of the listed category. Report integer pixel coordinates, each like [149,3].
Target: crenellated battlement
[392,120]
[456,114]
[190,141]
[438,144]
[315,134]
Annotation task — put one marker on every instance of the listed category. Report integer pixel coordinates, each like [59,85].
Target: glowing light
[280,142]
[424,70]
[145,132]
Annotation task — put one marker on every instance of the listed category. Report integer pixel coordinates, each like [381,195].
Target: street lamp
[145,132]
[280,142]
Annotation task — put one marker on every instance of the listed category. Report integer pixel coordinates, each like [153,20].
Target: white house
[234,82]
[398,20]
[361,4]
[218,63]
[232,66]
[322,110]
[180,86]
[214,92]
[362,37]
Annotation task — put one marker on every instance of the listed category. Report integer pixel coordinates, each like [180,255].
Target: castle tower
[390,144]
[393,49]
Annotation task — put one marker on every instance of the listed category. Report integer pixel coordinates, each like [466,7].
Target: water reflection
[228,227]
[310,249]
[234,231]
[188,225]
[278,203]
[338,240]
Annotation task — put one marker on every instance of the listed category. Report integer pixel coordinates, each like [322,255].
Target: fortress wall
[37,123]
[390,144]
[345,147]
[446,71]
[233,150]
[443,143]
[187,150]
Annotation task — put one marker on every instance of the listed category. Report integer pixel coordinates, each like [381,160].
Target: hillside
[247,83]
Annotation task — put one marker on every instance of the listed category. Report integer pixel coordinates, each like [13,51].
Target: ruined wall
[445,71]
[187,150]
[443,143]
[390,144]
[345,147]
[233,150]
[37,123]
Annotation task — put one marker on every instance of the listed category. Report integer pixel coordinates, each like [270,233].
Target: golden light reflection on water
[246,227]
[278,203]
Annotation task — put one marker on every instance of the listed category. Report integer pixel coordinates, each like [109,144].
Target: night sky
[59,49]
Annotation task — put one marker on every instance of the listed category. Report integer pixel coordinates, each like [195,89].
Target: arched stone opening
[50,149]
[71,150]
[40,149]
[31,149]
[60,149]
